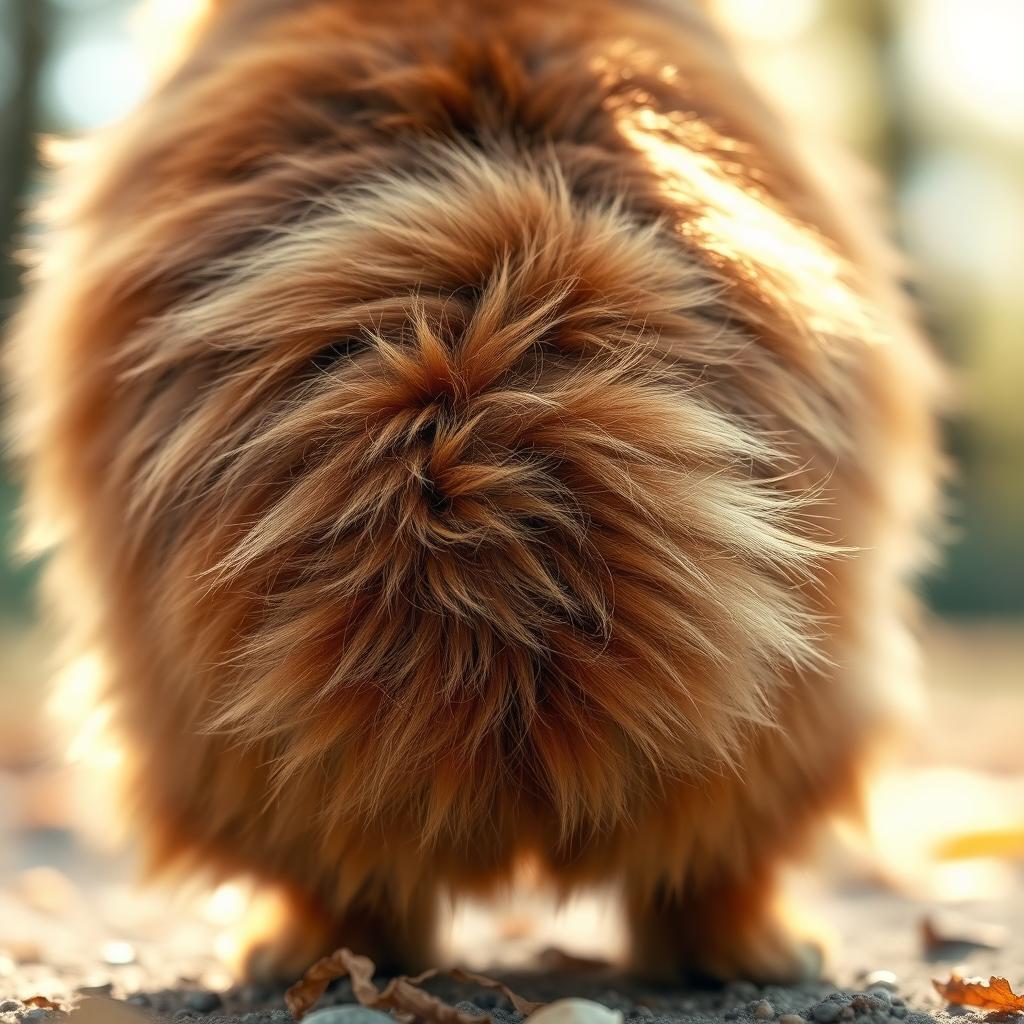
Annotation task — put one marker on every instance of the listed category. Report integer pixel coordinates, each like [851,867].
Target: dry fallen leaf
[521,1005]
[401,995]
[1004,843]
[42,1003]
[306,992]
[941,940]
[995,994]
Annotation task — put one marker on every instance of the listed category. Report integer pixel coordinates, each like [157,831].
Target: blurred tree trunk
[27,34]
[25,25]
[878,20]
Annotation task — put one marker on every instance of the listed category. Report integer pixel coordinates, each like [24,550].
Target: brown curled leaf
[306,992]
[42,1003]
[995,994]
[402,996]
[523,1006]
[361,970]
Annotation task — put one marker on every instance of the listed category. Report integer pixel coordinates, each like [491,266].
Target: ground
[944,846]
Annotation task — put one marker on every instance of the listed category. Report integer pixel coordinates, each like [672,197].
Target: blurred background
[930,93]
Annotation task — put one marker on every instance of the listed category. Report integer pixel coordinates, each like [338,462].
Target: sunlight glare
[737,222]
[778,21]
[227,904]
[916,817]
[968,56]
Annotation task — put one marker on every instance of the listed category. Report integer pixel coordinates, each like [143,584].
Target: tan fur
[467,431]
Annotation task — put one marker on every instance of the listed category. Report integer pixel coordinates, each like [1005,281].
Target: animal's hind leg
[726,929]
[302,928]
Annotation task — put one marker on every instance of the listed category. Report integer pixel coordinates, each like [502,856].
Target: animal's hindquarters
[443,473]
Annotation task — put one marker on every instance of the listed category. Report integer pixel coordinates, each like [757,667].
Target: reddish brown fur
[467,432]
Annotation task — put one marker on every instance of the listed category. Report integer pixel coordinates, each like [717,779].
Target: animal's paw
[279,941]
[279,945]
[766,955]
[721,940]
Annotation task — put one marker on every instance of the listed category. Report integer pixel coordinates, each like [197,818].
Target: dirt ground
[169,968]
[945,846]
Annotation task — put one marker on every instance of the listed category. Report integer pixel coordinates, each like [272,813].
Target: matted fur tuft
[466,434]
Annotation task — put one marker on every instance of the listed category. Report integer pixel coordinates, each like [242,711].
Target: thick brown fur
[467,431]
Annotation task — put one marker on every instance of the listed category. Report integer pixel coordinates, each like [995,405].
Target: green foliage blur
[928,91]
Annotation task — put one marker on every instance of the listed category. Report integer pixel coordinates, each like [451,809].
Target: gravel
[882,974]
[740,1003]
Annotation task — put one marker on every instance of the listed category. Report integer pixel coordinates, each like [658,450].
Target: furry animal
[469,431]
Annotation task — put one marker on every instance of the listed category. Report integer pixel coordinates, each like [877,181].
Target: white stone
[350,1014]
[576,1011]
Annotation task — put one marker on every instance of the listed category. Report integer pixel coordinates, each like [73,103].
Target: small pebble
[9,1006]
[575,1011]
[203,1002]
[349,1015]
[764,1010]
[886,979]
[118,954]
[643,1011]
[861,1004]
[792,1018]
[37,1014]
[826,1013]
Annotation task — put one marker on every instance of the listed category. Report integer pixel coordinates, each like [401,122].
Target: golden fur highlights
[467,431]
